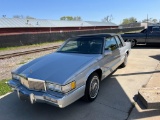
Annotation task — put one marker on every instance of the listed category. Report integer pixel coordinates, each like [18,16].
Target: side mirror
[107,52]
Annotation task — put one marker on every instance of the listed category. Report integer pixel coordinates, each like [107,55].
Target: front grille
[33,84]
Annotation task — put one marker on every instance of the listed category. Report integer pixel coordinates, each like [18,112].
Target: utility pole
[147,20]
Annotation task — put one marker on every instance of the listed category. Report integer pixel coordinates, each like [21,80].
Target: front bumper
[44,97]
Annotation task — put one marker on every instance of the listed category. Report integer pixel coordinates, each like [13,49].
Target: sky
[88,10]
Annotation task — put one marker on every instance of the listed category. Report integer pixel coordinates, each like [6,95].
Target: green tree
[155,20]
[4,16]
[147,20]
[77,18]
[29,17]
[67,18]
[151,20]
[18,16]
[129,20]
[21,16]
[70,18]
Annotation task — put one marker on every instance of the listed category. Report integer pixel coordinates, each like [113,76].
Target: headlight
[59,88]
[54,87]
[14,76]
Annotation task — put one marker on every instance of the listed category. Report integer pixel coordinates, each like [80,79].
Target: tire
[124,64]
[133,42]
[92,88]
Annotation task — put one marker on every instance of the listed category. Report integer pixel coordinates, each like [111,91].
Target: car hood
[55,67]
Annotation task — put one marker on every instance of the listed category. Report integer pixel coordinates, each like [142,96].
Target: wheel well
[99,72]
[135,41]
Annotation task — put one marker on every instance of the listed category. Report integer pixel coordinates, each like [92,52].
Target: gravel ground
[30,47]
[7,65]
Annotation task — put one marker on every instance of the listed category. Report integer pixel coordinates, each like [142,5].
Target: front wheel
[92,87]
[125,61]
[133,42]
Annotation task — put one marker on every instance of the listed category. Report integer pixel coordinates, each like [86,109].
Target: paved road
[115,101]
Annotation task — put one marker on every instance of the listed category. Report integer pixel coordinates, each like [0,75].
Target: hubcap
[94,87]
[133,43]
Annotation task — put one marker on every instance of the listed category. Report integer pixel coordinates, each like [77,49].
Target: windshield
[83,45]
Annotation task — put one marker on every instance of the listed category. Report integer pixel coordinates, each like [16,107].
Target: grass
[34,45]
[21,63]
[4,88]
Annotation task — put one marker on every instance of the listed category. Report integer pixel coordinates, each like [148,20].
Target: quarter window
[118,41]
[110,44]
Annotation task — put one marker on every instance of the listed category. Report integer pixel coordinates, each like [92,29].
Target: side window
[110,44]
[155,29]
[119,41]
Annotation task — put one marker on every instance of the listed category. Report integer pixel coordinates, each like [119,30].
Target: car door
[115,53]
[154,35]
[141,37]
[110,61]
[121,50]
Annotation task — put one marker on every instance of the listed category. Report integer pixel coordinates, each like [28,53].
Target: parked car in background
[73,71]
[151,35]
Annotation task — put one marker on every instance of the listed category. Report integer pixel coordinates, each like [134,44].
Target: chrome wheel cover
[94,87]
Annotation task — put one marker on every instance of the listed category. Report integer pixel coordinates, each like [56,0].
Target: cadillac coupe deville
[74,71]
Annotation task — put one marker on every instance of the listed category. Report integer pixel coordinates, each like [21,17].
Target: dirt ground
[7,65]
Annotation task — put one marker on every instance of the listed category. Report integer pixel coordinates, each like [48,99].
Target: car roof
[98,35]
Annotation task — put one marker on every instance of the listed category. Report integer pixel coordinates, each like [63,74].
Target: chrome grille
[33,84]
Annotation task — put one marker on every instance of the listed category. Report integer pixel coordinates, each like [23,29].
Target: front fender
[91,71]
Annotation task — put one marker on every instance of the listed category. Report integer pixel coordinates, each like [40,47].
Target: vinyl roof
[20,22]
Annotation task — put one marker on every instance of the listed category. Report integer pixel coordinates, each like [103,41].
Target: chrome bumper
[37,96]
